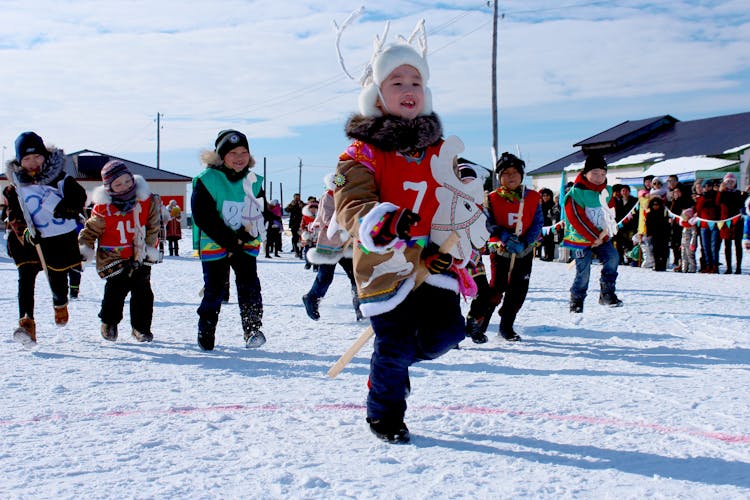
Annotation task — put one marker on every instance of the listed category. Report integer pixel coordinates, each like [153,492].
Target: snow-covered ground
[648,400]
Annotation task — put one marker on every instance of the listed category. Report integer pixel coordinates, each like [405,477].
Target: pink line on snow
[468,410]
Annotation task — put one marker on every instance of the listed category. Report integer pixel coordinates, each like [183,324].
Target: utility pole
[158,138]
[299,179]
[494,90]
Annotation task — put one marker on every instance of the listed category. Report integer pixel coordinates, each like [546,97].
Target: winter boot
[206,333]
[143,337]
[474,330]
[254,339]
[507,332]
[73,292]
[109,332]
[26,331]
[390,431]
[206,340]
[61,315]
[576,304]
[355,303]
[607,296]
[251,316]
[311,306]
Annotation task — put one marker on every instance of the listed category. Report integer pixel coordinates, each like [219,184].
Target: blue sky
[90,74]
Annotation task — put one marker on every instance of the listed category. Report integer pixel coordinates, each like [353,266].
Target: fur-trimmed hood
[99,195]
[391,133]
[306,210]
[52,171]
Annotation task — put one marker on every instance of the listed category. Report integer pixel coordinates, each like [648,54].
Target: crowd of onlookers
[670,225]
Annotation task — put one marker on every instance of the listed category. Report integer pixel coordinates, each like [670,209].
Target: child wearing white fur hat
[385,198]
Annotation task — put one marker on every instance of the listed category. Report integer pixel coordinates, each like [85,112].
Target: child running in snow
[386,199]
[125,222]
[515,223]
[589,226]
[43,206]
[333,247]
[228,223]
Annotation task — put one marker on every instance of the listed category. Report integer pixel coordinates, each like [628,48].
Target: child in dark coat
[44,204]
[228,225]
[515,222]
[658,228]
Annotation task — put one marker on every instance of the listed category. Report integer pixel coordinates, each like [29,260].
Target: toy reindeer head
[460,203]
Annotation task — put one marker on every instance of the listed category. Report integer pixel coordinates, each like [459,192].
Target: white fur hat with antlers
[386,58]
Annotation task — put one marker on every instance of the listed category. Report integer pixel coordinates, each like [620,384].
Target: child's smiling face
[32,163]
[596,176]
[402,93]
[237,158]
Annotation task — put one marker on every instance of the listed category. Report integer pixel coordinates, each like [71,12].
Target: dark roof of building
[87,165]
[663,135]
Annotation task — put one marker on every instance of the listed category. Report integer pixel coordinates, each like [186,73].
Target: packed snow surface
[647,400]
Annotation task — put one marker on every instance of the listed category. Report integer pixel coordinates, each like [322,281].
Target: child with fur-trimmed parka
[334,246]
[44,204]
[124,224]
[385,198]
[228,229]
[514,220]
[589,226]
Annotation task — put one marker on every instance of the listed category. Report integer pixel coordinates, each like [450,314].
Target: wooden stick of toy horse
[519,230]
[30,224]
[458,225]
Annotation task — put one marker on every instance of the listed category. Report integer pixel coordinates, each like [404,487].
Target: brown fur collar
[390,133]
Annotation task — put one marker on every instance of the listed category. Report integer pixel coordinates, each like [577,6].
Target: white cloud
[94,74]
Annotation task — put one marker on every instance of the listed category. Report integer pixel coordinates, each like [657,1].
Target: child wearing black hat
[124,258]
[228,230]
[515,221]
[43,206]
[589,227]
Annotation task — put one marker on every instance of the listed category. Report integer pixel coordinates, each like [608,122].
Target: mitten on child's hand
[434,260]
[396,223]
[62,211]
[243,235]
[514,245]
[87,253]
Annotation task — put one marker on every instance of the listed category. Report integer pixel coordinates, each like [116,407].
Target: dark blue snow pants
[425,326]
